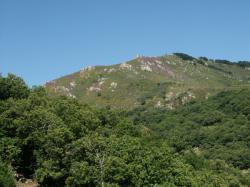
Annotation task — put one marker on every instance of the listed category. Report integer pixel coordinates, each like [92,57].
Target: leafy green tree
[14,87]
[6,176]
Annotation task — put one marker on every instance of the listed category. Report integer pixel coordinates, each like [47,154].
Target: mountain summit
[164,81]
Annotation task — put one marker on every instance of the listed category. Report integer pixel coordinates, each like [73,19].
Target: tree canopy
[61,142]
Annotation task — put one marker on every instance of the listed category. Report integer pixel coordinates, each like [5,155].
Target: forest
[59,141]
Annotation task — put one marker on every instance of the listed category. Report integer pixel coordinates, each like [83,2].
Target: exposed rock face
[155,64]
[97,86]
[101,81]
[125,66]
[71,95]
[170,106]
[113,85]
[62,88]
[187,97]
[158,104]
[144,59]
[72,84]
[88,68]
[146,68]
[94,88]
[109,70]
[51,83]
[170,63]
[169,96]
[65,91]
[177,98]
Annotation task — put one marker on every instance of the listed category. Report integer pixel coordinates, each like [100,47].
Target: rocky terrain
[165,81]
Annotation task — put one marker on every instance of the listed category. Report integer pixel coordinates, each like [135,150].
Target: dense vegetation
[244,64]
[61,142]
[6,175]
[219,127]
[184,56]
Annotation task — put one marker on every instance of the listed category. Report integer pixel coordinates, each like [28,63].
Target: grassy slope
[166,81]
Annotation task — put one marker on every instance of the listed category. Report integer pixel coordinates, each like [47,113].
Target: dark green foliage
[14,87]
[224,62]
[244,64]
[61,142]
[203,58]
[219,127]
[6,176]
[184,56]
[200,62]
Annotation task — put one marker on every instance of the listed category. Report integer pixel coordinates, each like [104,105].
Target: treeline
[202,60]
[61,142]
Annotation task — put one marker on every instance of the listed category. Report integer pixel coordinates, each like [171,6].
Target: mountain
[165,81]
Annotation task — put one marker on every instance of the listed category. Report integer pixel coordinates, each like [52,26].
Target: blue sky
[44,39]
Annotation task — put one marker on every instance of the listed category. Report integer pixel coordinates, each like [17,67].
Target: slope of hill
[217,128]
[165,81]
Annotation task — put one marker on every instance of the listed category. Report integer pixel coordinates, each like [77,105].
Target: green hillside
[217,128]
[166,81]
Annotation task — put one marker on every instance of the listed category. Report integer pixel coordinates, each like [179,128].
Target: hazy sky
[43,39]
